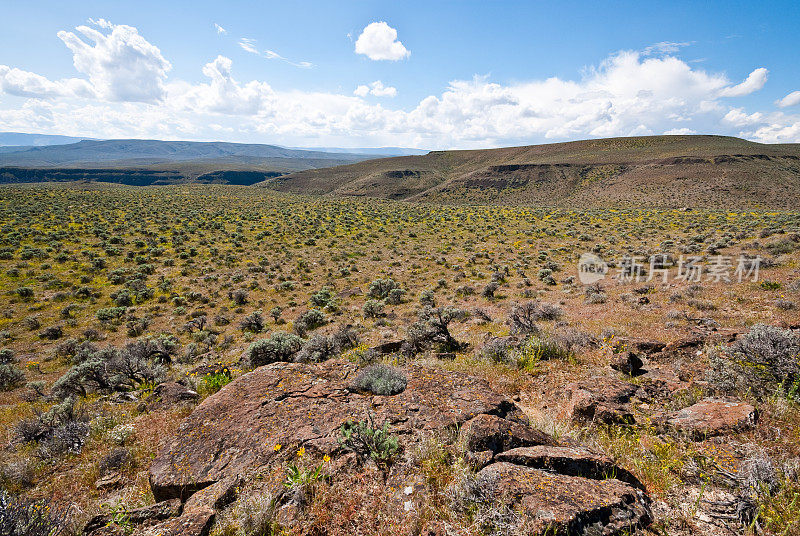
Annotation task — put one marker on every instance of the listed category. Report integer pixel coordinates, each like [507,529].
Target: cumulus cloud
[792,99]
[21,83]
[378,41]
[752,83]
[629,93]
[121,65]
[377,89]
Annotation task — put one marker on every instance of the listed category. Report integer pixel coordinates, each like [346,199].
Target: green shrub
[764,360]
[369,441]
[11,376]
[279,346]
[214,381]
[380,380]
[373,309]
[380,288]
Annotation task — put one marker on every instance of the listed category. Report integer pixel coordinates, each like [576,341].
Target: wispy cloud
[220,29]
[249,45]
[665,47]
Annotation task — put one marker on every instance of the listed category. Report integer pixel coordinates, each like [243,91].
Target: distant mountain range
[651,171]
[155,161]
[35,140]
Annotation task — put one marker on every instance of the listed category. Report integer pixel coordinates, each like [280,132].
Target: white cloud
[220,29]
[679,132]
[377,89]
[629,93]
[378,41]
[249,45]
[753,82]
[664,47]
[121,65]
[21,83]
[792,99]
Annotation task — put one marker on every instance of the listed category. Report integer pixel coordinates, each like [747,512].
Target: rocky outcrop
[601,399]
[292,404]
[627,362]
[573,461]
[248,424]
[711,417]
[556,503]
[487,435]
[169,394]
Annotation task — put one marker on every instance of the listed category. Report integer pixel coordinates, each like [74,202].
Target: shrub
[763,360]
[318,348]
[433,328]
[380,380]
[11,377]
[498,350]
[324,299]
[369,441]
[395,296]
[115,460]
[541,348]
[22,517]
[65,439]
[115,369]
[373,309]
[253,323]
[110,315]
[51,333]
[7,356]
[490,289]
[380,288]
[278,347]
[310,320]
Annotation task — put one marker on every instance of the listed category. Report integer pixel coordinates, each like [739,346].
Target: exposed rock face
[555,503]
[573,461]
[140,516]
[601,399]
[627,362]
[291,404]
[557,489]
[169,394]
[713,416]
[486,435]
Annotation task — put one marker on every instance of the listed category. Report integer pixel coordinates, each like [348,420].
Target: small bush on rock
[279,347]
[380,379]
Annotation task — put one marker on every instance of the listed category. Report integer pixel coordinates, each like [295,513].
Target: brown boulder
[292,404]
[573,461]
[713,416]
[601,399]
[487,435]
[140,516]
[169,394]
[554,503]
[627,362]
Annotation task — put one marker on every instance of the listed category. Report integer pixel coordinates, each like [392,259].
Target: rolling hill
[660,171]
[142,162]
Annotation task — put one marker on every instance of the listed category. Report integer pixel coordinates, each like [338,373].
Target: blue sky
[424,74]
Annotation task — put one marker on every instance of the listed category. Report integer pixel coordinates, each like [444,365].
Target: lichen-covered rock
[291,404]
[713,416]
[601,399]
[486,435]
[558,504]
[573,461]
